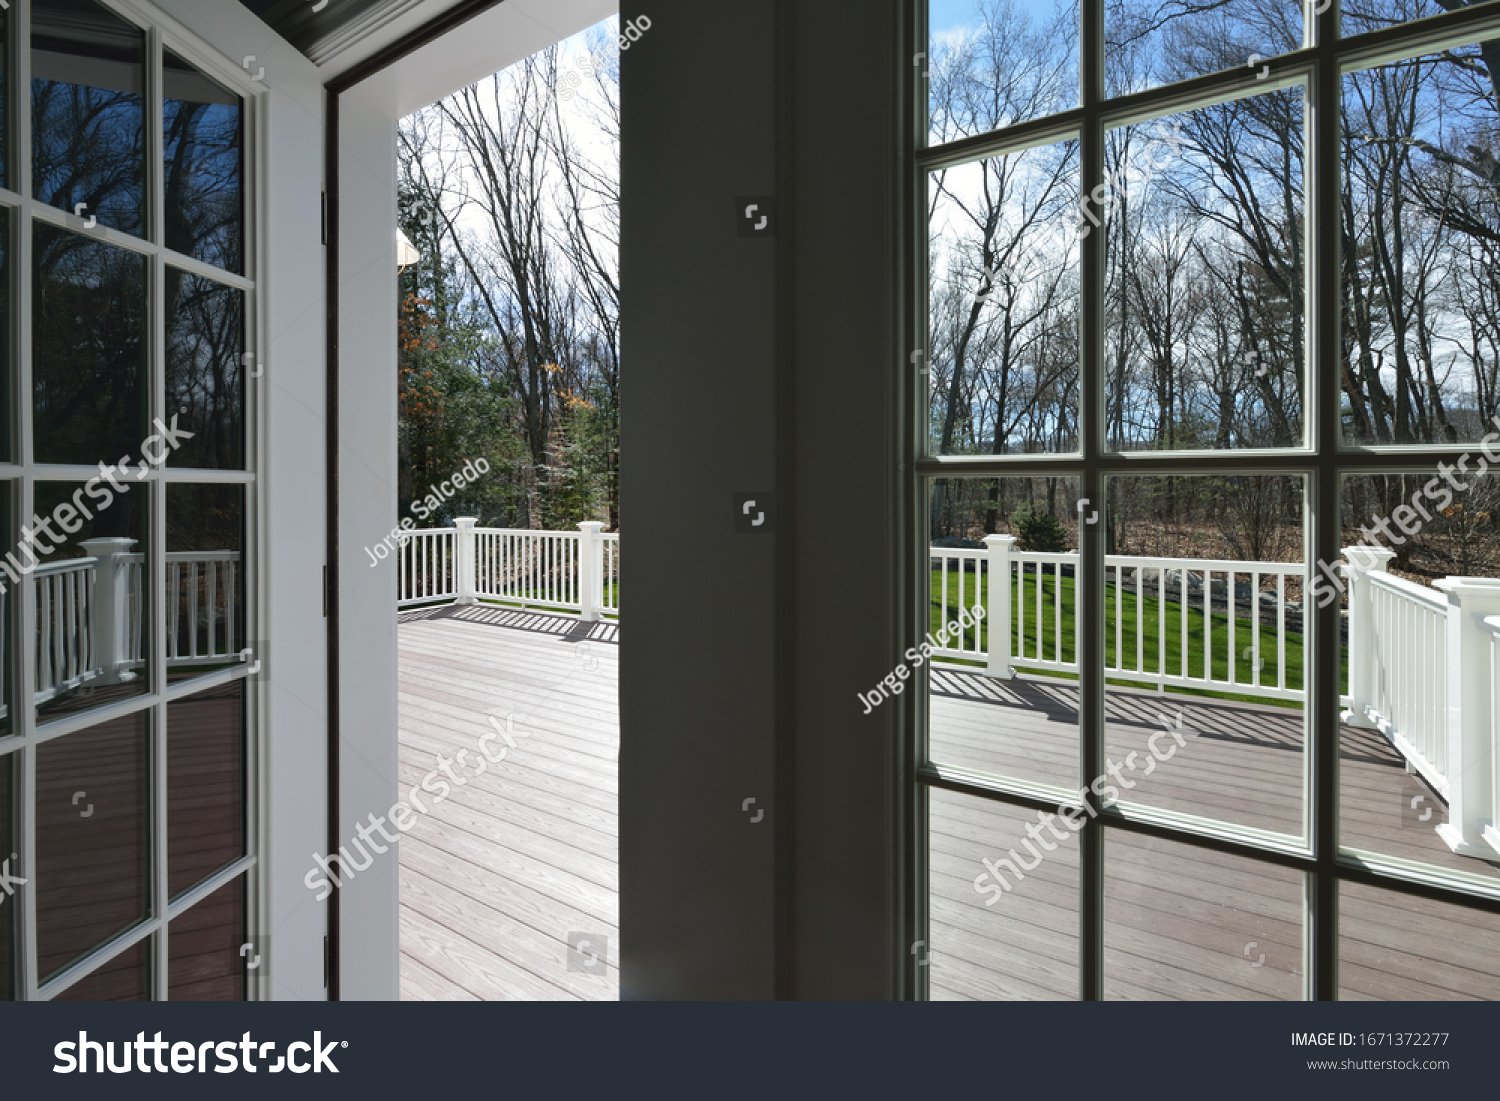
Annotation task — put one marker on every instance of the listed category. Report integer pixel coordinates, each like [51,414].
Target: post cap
[999,540]
[466,523]
[1362,556]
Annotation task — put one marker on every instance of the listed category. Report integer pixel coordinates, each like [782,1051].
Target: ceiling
[321,31]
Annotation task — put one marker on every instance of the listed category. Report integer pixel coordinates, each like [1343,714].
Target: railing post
[465,559]
[109,613]
[1360,561]
[1471,734]
[998,612]
[1491,625]
[591,570]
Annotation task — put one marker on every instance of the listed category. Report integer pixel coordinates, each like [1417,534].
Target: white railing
[1398,643]
[425,566]
[558,570]
[1029,621]
[1491,832]
[91,614]
[201,613]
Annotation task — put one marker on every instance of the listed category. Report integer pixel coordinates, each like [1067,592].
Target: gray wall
[750,366]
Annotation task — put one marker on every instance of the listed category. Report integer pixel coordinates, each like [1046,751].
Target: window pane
[205,578]
[126,978]
[93,861]
[1004,691]
[10,584]
[1399,774]
[88,112]
[10,864]
[90,380]
[1360,16]
[205,785]
[1148,43]
[1205,702]
[994,63]
[1003,322]
[204,962]
[1395,948]
[92,599]
[1204,342]
[203,190]
[1186,924]
[6,365]
[1004,902]
[1421,273]
[205,374]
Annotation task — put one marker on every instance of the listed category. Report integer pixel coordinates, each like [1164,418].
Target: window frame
[1323,461]
[162,32]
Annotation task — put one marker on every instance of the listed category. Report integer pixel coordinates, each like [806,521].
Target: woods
[509,324]
[1205,321]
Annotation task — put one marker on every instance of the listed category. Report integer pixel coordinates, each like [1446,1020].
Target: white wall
[293,404]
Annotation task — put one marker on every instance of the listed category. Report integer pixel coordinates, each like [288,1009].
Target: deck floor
[521,860]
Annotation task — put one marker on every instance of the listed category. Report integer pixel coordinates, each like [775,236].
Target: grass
[1149,613]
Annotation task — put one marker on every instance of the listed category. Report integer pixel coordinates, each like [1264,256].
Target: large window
[127,494]
[1206,386]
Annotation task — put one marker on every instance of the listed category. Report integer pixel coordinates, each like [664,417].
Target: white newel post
[998,612]
[110,608]
[1361,561]
[591,570]
[1491,625]
[466,558]
[1471,734]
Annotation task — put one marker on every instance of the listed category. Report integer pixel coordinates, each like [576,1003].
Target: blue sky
[949,15]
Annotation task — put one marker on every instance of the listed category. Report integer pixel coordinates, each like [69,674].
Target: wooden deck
[500,876]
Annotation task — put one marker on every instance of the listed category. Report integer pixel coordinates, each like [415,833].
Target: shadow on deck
[523,860]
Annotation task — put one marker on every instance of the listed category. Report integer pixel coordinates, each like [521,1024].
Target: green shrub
[1038,531]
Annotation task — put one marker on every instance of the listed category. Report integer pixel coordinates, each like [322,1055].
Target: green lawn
[1133,608]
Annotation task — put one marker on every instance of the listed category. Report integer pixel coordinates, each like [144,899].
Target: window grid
[1323,461]
[23,473]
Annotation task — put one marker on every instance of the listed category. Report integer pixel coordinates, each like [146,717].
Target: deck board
[500,873]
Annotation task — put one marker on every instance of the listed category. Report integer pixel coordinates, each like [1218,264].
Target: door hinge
[325,961]
[325,217]
[325,592]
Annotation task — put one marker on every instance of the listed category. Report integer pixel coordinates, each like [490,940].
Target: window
[127,511]
[1206,534]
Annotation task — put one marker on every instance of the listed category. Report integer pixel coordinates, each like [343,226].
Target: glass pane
[1204,638]
[205,578]
[204,963]
[90,380]
[1004,902]
[205,785]
[1204,341]
[203,138]
[10,866]
[10,575]
[1421,283]
[126,978]
[92,599]
[1003,321]
[1185,924]
[1396,948]
[1148,43]
[1360,16]
[205,371]
[6,365]
[88,113]
[1409,691]
[93,817]
[993,63]
[1004,685]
